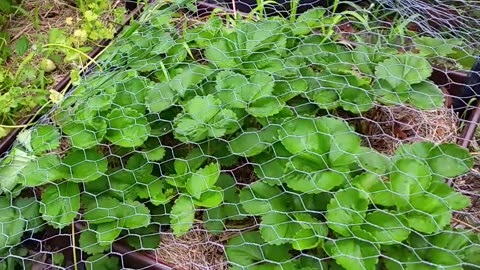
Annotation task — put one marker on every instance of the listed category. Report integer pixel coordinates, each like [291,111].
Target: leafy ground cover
[157,138]
[41,43]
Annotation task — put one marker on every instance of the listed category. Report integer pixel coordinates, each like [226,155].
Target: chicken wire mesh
[210,140]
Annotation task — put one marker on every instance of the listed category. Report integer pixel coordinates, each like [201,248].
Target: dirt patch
[469,185]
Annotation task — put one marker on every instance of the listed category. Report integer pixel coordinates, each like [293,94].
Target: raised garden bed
[240,133]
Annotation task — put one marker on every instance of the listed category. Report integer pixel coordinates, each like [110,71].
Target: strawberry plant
[150,143]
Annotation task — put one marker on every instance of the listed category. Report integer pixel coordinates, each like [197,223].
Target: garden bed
[177,142]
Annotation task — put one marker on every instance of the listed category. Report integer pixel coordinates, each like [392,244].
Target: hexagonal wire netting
[209,139]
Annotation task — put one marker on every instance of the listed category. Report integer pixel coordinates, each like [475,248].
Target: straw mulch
[387,127]
[196,250]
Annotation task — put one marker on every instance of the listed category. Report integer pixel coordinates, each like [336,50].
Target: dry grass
[196,250]
[387,127]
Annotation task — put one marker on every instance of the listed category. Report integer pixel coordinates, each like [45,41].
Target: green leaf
[102,261]
[252,142]
[29,211]
[363,56]
[429,46]
[203,117]
[329,55]
[188,76]
[308,21]
[203,179]
[248,249]
[344,149]
[12,227]
[156,192]
[194,160]
[261,85]
[144,238]
[45,169]
[265,107]
[259,198]
[134,214]
[400,257]
[426,96]
[11,168]
[223,52]
[388,228]
[160,97]
[21,45]
[215,218]
[230,87]
[449,160]
[353,254]
[278,229]
[313,182]
[470,256]
[377,190]
[254,94]
[410,176]
[45,138]
[430,213]
[182,215]
[299,134]
[389,95]
[85,165]
[155,154]
[107,232]
[301,230]
[88,243]
[6,6]
[455,200]
[266,164]
[102,210]
[418,150]
[60,204]
[130,94]
[210,198]
[452,240]
[347,208]
[261,35]
[405,68]
[82,135]
[445,258]
[351,92]
[139,165]
[127,127]
[372,161]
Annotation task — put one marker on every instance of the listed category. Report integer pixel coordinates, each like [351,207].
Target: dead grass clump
[387,127]
[196,250]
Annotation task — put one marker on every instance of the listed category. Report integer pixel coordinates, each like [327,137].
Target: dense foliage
[150,142]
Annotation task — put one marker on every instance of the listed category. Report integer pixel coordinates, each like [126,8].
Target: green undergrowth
[31,63]
[157,140]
